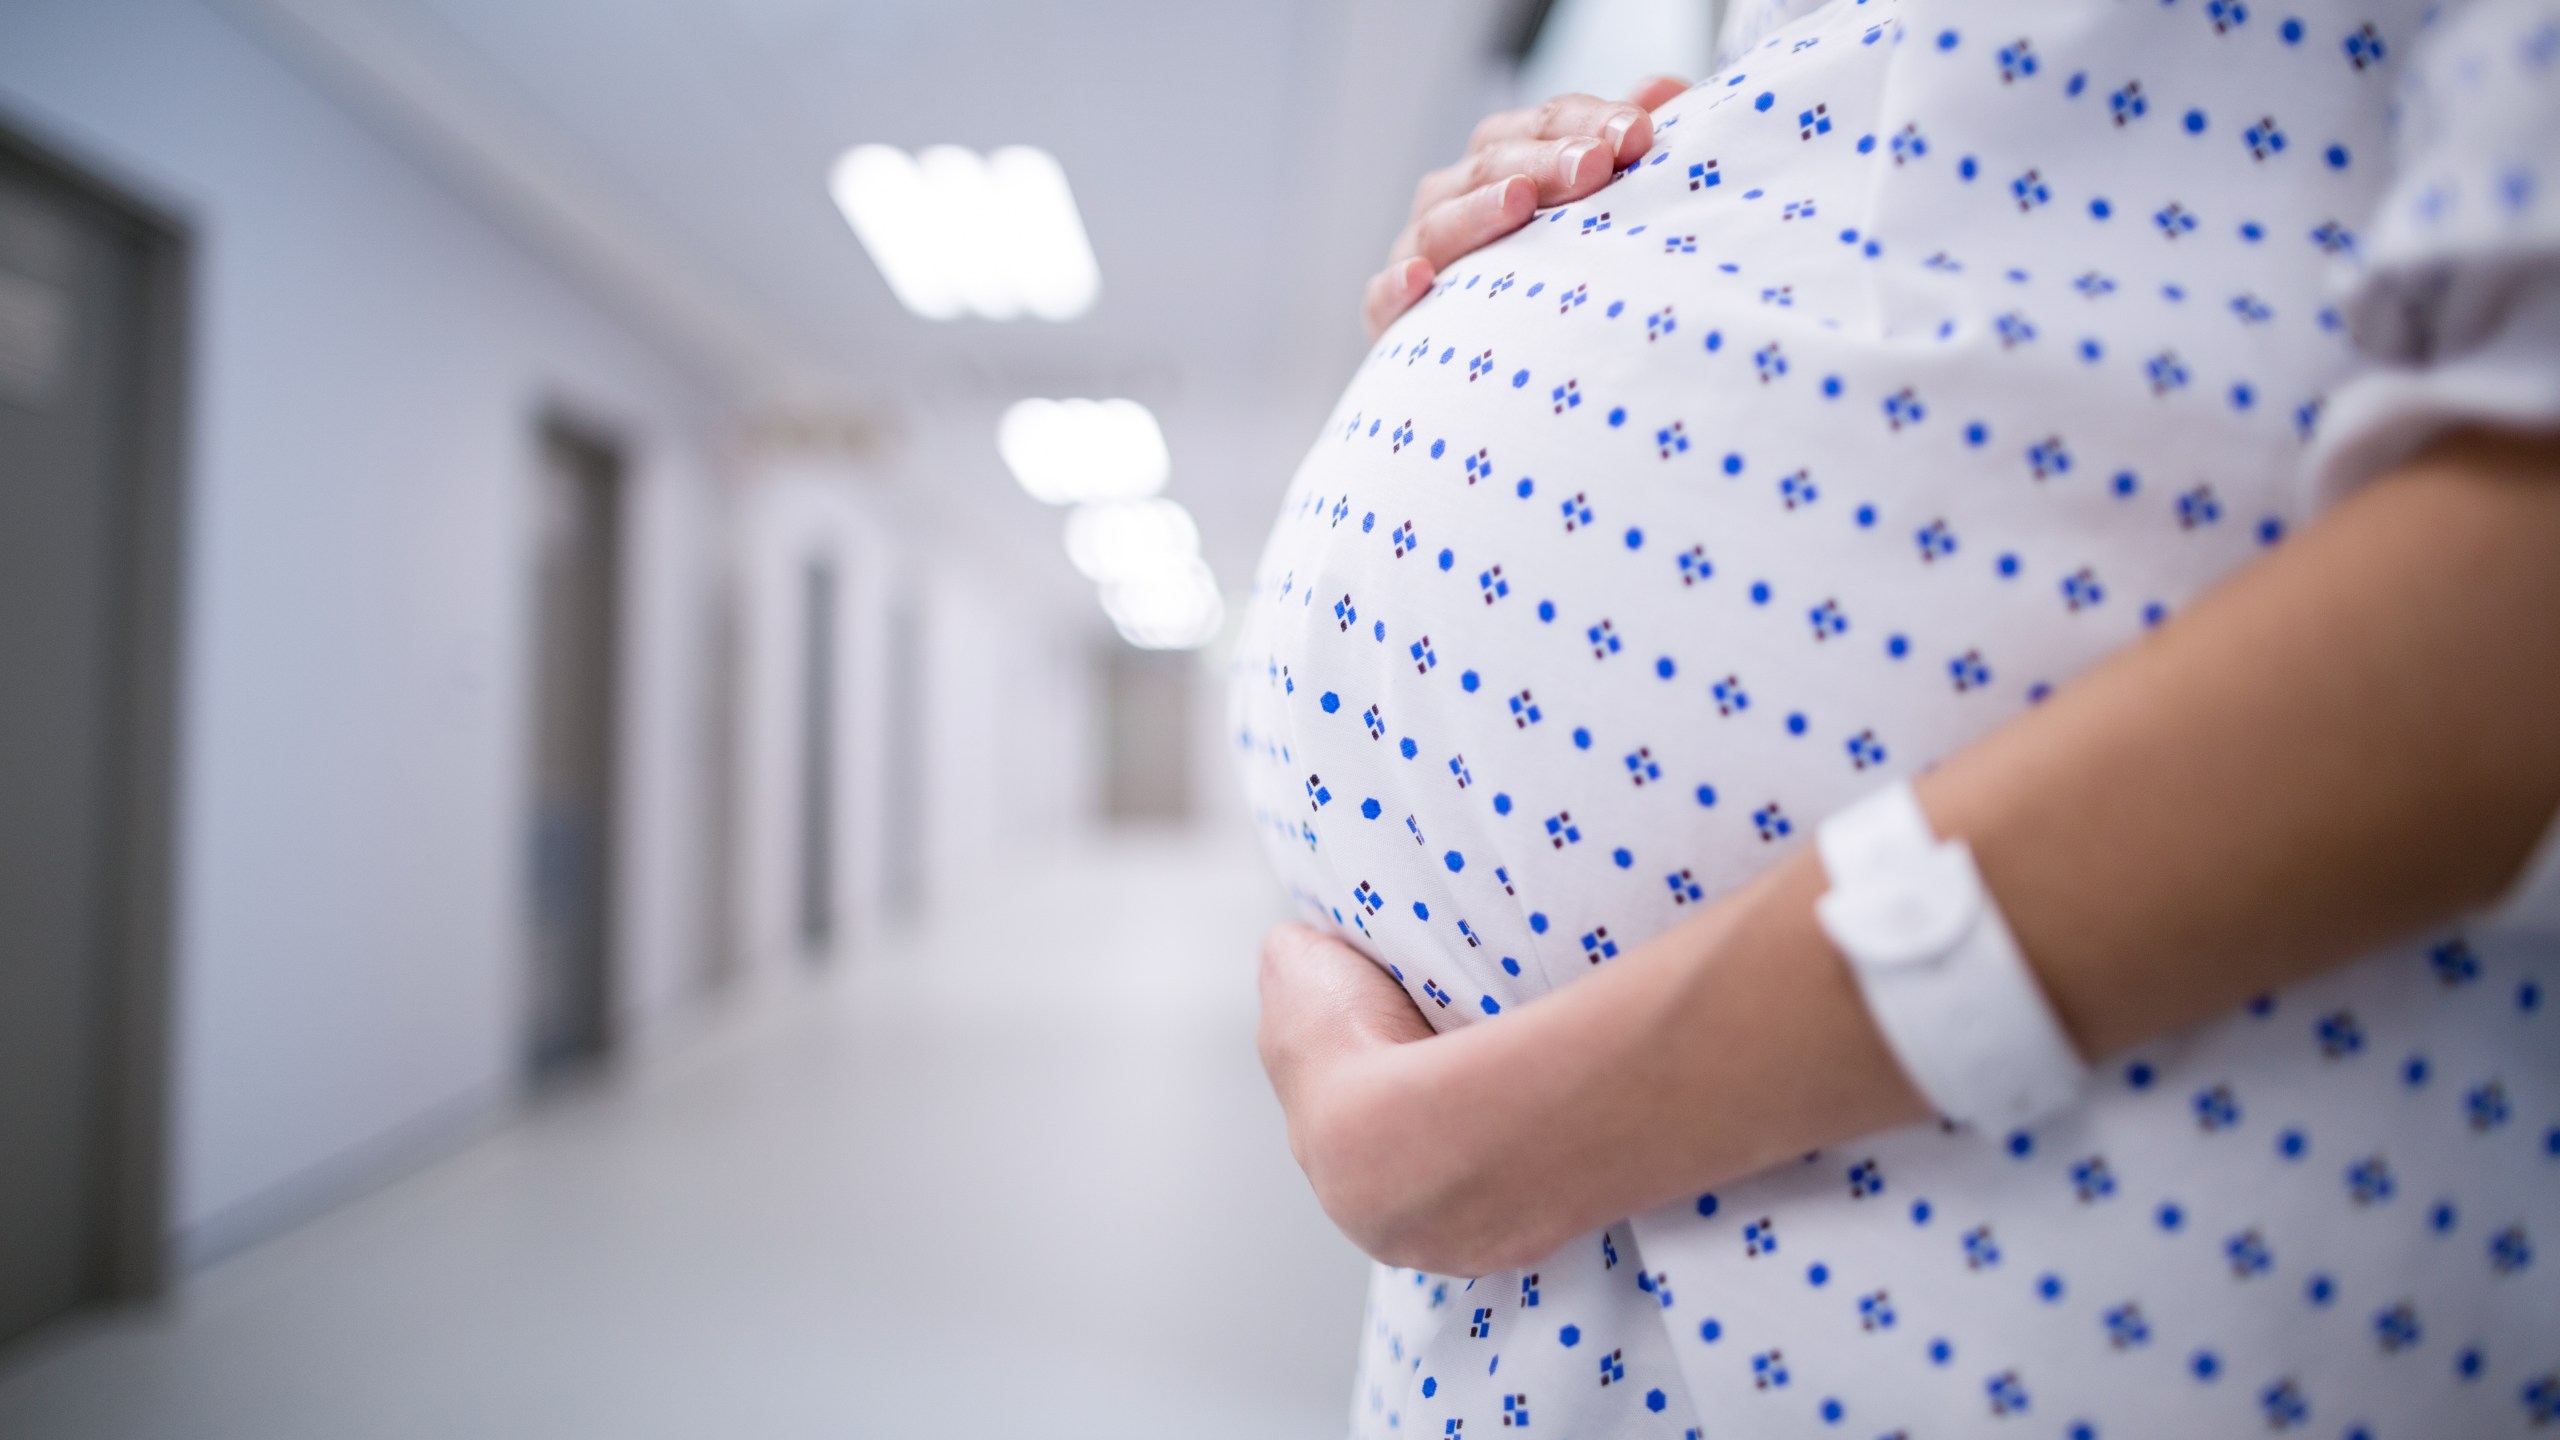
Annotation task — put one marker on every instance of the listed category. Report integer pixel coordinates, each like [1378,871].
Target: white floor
[1017,1177]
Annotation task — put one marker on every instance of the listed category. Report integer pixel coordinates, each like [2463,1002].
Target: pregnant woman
[1992,603]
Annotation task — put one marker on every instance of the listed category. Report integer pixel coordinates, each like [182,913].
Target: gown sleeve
[1745,23]
[2456,306]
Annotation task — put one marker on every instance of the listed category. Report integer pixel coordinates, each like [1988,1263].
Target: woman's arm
[2354,738]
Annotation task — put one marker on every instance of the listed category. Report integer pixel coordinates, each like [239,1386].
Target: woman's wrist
[2342,743]
[1726,1045]
[1780,1054]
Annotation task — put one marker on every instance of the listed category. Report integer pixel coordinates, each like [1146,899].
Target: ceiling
[1240,167]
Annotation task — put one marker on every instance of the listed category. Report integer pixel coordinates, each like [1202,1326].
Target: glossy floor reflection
[1016,1176]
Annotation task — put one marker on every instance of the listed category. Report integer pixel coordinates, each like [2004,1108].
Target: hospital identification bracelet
[1940,971]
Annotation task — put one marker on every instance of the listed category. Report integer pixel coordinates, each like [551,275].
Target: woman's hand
[1682,1062]
[2348,741]
[1322,1003]
[1328,1015]
[1517,161]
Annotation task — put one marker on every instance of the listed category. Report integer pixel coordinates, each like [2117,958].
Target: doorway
[577,629]
[904,762]
[1147,725]
[817,849]
[91,345]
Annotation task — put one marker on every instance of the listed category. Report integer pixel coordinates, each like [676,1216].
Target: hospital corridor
[1279,719]
[616,803]
[926,1197]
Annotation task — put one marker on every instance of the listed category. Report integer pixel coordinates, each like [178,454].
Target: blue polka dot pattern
[1937,351]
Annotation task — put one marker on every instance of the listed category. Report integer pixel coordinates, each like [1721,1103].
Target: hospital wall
[371,358]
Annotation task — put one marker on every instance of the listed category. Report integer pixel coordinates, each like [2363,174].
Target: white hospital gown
[1934,352]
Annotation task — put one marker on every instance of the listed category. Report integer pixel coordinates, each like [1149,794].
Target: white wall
[789,514]
[1009,746]
[1005,707]
[370,359]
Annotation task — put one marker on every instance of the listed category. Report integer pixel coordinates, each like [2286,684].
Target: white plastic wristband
[1941,973]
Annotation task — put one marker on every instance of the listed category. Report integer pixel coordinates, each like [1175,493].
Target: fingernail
[1617,130]
[1569,161]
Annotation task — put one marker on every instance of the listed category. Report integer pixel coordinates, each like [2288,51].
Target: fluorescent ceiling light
[1131,539]
[1075,452]
[1169,609]
[956,233]
[1145,554]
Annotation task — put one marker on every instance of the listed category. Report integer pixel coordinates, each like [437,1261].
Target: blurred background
[613,814]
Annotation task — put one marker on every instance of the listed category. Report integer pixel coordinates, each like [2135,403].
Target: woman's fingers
[1626,124]
[1654,93]
[1615,121]
[1391,292]
[1517,161]
[1471,221]
[1565,169]
[1442,234]
[1321,999]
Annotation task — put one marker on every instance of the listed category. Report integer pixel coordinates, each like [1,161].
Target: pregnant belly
[1516,693]
[1660,531]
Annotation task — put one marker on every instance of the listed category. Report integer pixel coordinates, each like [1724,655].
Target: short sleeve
[1745,23]
[2457,302]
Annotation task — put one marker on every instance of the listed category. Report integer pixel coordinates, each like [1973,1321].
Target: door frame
[559,421]
[137,933]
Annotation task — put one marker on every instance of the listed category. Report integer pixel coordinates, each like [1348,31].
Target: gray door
[902,777]
[575,628]
[1147,699]
[70,379]
[817,877]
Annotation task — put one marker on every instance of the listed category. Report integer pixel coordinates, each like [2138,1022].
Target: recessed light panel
[1145,556]
[958,233]
[1075,452]
[1175,609]
[1126,541]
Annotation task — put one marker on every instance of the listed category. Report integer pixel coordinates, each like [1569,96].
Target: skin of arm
[2350,740]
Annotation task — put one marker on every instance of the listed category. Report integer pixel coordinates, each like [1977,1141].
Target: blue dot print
[1907,377]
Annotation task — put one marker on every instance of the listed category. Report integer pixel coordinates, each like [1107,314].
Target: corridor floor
[1018,1175]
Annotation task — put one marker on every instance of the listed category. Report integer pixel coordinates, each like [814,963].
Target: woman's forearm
[2355,738]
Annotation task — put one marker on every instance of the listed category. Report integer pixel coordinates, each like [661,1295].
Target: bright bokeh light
[1131,539]
[956,233]
[1145,554]
[1077,452]
[1172,609]
[1053,269]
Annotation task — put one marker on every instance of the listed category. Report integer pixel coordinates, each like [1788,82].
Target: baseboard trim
[438,1133]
